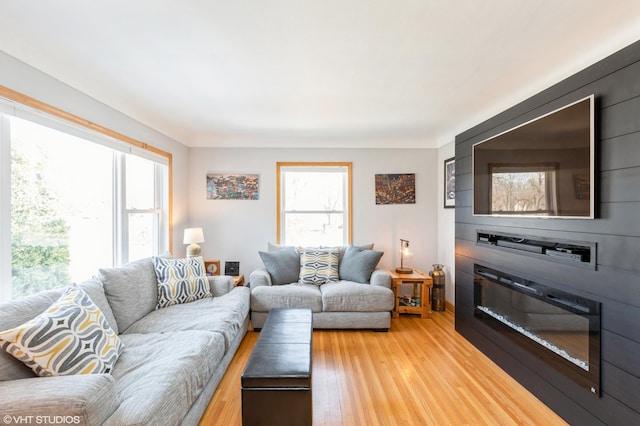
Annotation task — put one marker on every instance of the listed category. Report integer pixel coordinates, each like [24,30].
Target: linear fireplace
[560,328]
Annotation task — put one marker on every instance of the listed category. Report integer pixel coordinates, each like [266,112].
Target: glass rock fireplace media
[559,328]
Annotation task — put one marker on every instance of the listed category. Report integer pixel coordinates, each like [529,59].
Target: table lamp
[404,252]
[193,236]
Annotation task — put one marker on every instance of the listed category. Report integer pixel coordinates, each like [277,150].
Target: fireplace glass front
[560,328]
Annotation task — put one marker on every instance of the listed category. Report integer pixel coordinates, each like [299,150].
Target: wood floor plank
[419,373]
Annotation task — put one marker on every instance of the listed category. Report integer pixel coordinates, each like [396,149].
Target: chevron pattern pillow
[71,337]
[180,280]
[319,265]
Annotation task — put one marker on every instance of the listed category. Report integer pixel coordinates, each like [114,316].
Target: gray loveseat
[173,358]
[359,296]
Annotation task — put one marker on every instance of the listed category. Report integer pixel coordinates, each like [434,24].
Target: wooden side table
[419,302]
[238,280]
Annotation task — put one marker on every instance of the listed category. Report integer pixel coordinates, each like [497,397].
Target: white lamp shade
[193,236]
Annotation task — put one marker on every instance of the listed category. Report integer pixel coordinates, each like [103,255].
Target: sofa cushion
[265,298]
[93,287]
[132,290]
[283,265]
[318,265]
[160,375]
[347,296]
[87,399]
[225,315]
[12,314]
[358,264]
[343,249]
[180,280]
[71,337]
[275,247]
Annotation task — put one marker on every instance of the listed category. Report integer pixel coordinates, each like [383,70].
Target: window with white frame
[73,201]
[143,213]
[314,204]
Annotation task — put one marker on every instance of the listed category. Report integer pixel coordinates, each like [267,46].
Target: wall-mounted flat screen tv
[542,168]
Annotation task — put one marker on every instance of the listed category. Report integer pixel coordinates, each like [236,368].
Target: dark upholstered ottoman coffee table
[276,382]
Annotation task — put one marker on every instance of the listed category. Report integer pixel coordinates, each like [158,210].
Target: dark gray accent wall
[615,282]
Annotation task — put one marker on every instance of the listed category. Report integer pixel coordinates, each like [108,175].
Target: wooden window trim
[30,102]
[280,165]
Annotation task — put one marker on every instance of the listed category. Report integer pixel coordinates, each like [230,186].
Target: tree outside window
[66,212]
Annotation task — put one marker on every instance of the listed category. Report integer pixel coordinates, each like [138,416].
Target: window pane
[314,191]
[314,229]
[142,235]
[528,192]
[140,183]
[61,208]
[314,204]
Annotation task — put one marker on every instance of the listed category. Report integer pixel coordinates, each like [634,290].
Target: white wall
[446,227]
[235,230]
[27,80]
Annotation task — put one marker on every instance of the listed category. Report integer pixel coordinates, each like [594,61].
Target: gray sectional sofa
[358,297]
[173,358]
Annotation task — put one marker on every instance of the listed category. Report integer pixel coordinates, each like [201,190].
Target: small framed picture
[232,186]
[396,188]
[212,267]
[450,183]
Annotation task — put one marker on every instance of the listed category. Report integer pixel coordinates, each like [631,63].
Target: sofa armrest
[85,399]
[259,277]
[220,284]
[381,277]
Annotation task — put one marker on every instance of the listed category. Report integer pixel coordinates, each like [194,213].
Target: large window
[314,204]
[74,201]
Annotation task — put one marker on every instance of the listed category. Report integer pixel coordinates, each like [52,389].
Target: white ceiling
[408,73]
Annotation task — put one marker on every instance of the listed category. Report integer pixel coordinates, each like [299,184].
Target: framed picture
[212,267]
[450,183]
[396,188]
[225,186]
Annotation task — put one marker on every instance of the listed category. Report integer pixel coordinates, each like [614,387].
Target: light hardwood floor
[419,373]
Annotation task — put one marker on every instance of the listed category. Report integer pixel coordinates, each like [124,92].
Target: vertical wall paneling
[614,282]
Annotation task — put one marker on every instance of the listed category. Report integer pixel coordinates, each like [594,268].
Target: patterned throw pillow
[71,337]
[319,265]
[180,280]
